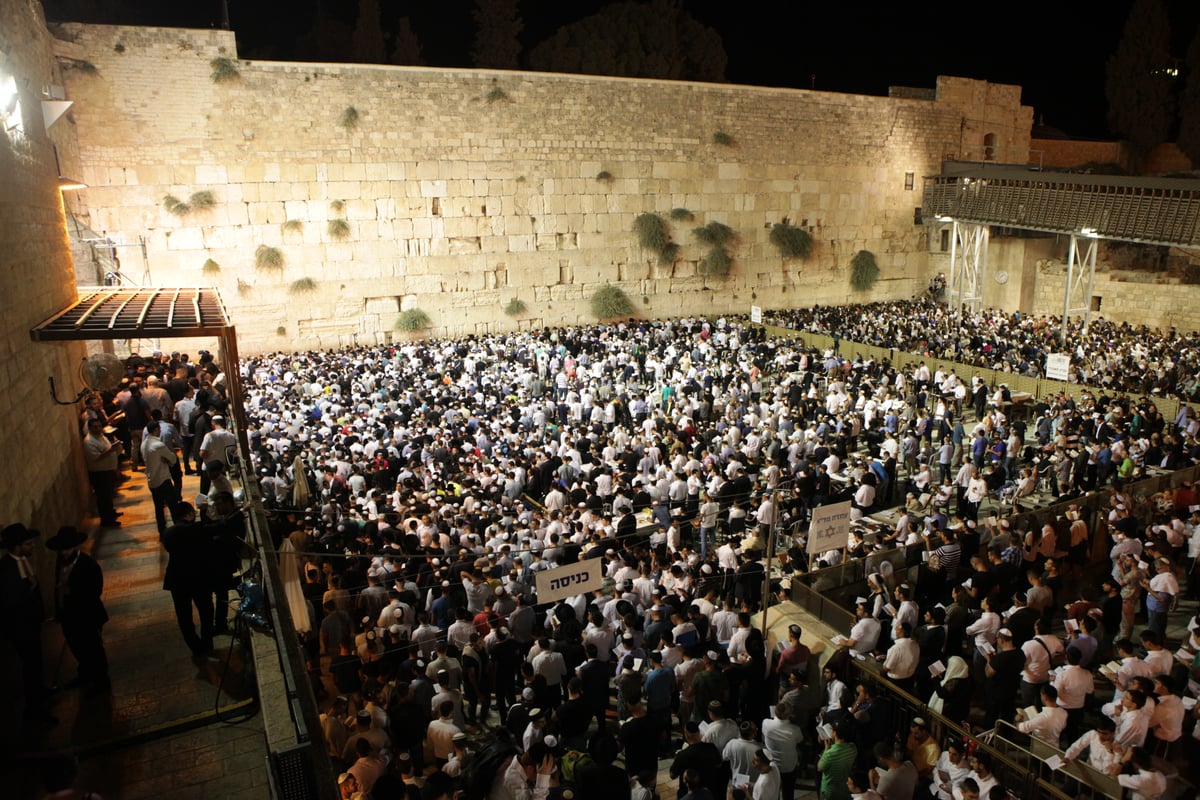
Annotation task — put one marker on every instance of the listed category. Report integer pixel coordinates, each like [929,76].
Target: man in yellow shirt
[923,750]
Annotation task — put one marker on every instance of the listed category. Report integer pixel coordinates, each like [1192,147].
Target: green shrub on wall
[652,235]
[199,201]
[609,302]
[515,307]
[349,119]
[792,242]
[268,257]
[722,138]
[682,215]
[717,234]
[338,229]
[413,320]
[864,271]
[293,226]
[716,263]
[211,267]
[302,285]
[224,69]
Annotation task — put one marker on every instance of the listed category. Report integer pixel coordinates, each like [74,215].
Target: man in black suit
[79,609]
[704,757]
[21,616]
[189,577]
[593,679]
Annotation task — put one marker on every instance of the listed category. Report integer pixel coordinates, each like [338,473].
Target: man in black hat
[79,609]
[22,612]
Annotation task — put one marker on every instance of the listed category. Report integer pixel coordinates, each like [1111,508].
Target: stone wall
[42,482]
[1159,305]
[1066,153]
[40,474]
[463,189]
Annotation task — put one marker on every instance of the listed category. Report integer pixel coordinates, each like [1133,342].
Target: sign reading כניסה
[570,580]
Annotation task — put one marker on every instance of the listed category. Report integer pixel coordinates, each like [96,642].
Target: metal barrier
[1019,769]
[1038,387]
[302,769]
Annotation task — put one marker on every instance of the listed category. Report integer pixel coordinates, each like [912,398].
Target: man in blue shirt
[658,691]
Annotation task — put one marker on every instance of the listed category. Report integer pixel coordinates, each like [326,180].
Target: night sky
[1055,49]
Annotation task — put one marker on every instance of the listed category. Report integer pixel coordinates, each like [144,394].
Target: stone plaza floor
[166,728]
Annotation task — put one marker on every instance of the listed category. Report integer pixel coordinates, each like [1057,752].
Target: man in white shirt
[767,783]
[1147,783]
[1048,723]
[1099,745]
[900,665]
[1073,684]
[1166,722]
[865,633]
[1041,652]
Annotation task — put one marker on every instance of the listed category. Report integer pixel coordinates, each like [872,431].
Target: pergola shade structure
[107,312]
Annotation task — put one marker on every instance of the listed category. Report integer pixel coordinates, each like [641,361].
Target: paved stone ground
[156,729]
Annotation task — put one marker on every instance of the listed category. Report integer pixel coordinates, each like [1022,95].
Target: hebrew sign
[570,580]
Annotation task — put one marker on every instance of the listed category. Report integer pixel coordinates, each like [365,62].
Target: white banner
[829,528]
[563,582]
[1058,366]
[756,315]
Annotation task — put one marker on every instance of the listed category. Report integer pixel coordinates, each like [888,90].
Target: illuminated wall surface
[41,484]
[454,191]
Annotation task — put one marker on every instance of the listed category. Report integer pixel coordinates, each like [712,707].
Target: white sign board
[829,528]
[1058,365]
[563,582]
[756,315]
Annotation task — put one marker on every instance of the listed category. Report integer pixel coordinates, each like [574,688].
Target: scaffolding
[968,266]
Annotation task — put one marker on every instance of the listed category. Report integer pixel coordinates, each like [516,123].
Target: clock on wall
[1001,277]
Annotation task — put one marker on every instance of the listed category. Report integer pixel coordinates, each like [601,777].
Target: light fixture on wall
[66,184]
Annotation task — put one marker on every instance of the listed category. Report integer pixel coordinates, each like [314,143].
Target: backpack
[571,762]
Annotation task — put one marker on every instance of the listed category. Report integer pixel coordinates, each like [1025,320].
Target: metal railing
[1016,760]
[1037,387]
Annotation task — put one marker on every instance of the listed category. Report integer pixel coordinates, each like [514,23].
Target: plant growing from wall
[174,205]
[349,118]
[281,331]
[864,271]
[605,177]
[243,288]
[610,302]
[515,307]
[266,257]
[211,267]
[337,206]
[681,215]
[292,226]
[224,69]
[338,228]
[792,242]
[85,67]
[723,139]
[413,320]
[302,285]
[717,261]
[652,235]
[495,95]
[201,200]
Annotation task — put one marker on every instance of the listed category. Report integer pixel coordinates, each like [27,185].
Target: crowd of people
[424,486]
[1116,357]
